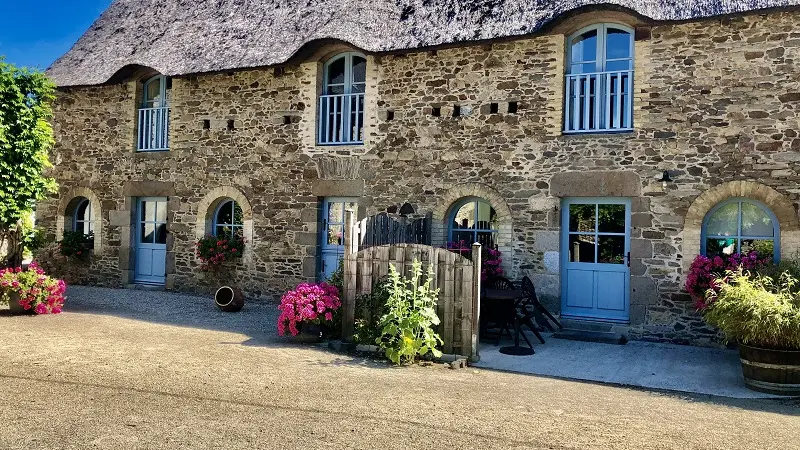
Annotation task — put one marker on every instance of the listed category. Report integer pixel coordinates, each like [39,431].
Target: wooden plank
[350,281]
[465,303]
[448,298]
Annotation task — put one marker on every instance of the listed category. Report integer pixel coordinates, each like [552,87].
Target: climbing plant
[26,98]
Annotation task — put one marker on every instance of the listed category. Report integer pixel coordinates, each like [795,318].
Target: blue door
[151,240]
[332,233]
[595,247]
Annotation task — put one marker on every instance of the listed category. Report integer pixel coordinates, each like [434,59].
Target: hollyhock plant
[307,303]
[38,292]
[215,250]
[707,273]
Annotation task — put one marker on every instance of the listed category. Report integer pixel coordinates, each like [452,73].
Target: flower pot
[229,299]
[14,306]
[310,333]
[771,371]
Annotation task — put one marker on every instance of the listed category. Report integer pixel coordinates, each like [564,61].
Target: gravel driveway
[130,369]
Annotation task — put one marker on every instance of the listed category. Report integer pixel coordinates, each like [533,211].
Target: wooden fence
[457,278]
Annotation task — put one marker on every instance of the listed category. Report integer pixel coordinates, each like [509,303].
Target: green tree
[26,137]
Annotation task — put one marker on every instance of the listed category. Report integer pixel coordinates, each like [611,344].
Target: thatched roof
[178,37]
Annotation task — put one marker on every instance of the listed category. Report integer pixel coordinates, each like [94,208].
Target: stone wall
[715,102]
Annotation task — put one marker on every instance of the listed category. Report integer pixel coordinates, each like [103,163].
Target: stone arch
[475,190]
[208,206]
[781,206]
[66,206]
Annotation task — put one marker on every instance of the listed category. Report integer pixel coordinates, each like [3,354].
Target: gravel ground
[130,369]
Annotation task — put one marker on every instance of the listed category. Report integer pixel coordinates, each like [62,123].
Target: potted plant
[705,271]
[31,291]
[214,252]
[307,309]
[762,314]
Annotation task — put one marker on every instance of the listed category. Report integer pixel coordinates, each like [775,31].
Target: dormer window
[153,117]
[599,81]
[341,105]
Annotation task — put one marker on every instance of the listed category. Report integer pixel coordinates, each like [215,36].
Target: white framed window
[82,217]
[341,104]
[228,219]
[599,79]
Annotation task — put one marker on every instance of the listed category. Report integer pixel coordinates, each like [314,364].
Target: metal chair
[501,283]
[538,308]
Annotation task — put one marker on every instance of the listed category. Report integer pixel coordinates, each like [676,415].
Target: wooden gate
[457,278]
[392,229]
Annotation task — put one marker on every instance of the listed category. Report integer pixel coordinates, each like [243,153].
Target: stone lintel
[148,189]
[338,188]
[596,184]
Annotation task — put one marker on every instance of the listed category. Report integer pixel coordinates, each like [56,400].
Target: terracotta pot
[229,299]
[310,333]
[771,371]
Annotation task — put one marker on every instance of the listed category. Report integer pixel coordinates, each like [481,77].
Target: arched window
[156,92]
[82,217]
[473,220]
[341,105]
[740,225]
[599,80]
[228,219]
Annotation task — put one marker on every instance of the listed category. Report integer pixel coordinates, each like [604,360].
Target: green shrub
[369,310]
[407,326]
[75,244]
[759,310]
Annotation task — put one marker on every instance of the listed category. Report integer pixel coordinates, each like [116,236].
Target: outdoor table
[514,297]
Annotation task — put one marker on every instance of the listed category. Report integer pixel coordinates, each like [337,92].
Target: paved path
[131,369]
[671,367]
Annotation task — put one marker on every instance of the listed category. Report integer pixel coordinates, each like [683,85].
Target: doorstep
[146,287]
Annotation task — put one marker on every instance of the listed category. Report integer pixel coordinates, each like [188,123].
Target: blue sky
[34,33]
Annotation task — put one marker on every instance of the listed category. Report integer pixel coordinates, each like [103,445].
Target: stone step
[602,337]
[588,325]
[146,287]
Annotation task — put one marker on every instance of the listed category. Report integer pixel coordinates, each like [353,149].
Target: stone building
[599,147]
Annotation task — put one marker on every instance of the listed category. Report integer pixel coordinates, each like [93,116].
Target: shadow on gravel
[257,320]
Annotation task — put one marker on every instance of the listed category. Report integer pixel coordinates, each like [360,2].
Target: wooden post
[476,301]
[350,234]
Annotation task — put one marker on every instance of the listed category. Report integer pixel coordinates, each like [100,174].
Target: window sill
[151,154]
[591,132]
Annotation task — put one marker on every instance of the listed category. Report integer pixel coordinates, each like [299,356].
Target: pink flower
[41,309]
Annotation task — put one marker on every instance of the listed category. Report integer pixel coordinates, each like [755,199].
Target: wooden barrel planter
[771,371]
[229,299]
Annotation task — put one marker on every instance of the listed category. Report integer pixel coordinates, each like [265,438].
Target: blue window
[599,80]
[82,219]
[473,220]
[341,105]
[228,219]
[740,225]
